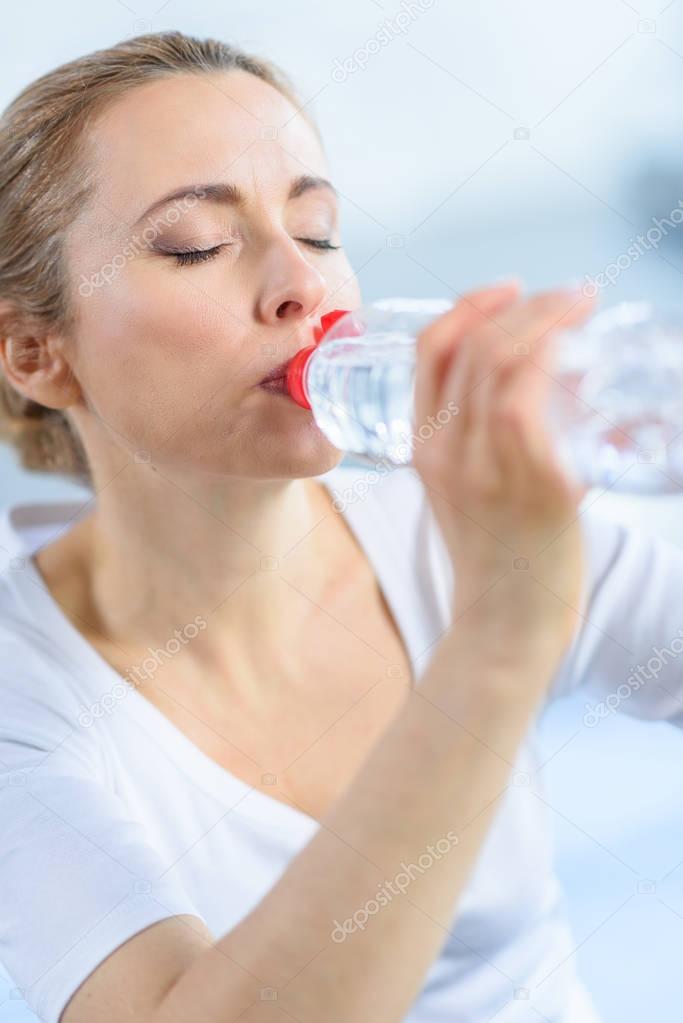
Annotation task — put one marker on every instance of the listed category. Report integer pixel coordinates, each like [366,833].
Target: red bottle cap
[326,321]
[296,371]
[295,376]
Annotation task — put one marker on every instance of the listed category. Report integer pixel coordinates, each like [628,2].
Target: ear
[34,363]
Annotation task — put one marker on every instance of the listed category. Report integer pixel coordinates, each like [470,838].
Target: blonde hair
[42,187]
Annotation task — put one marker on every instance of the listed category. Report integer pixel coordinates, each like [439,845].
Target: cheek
[344,285]
[147,357]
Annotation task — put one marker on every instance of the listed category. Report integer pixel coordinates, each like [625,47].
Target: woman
[302,804]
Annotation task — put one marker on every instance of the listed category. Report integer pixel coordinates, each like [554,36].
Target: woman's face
[169,356]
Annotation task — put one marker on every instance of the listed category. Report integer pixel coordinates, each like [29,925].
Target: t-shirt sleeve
[627,654]
[78,876]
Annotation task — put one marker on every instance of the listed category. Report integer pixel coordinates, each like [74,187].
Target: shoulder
[41,687]
[630,612]
[24,527]
[626,556]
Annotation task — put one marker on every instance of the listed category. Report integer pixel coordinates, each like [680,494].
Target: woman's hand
[507,510]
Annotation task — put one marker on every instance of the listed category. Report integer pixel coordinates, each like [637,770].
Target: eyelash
[190,257]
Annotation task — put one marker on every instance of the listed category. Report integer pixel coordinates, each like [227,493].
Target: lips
[279,373]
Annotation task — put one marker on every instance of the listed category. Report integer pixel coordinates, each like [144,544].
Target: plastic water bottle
[616,406]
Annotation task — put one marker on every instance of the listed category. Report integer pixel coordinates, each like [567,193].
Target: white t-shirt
[112,819]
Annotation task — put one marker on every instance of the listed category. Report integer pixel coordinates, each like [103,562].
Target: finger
[455,391]
[527,323]
[520,330]
[481,389]
[526,449]
[473,368]
[479,362]
[471,380]
[435,344]
[520,327]
[507,444]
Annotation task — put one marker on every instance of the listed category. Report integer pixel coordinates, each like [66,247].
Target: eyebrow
[223,192]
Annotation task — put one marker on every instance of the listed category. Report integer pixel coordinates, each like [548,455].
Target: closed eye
[188,257]
[319,243]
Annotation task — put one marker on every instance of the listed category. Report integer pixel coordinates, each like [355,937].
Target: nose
[292,287]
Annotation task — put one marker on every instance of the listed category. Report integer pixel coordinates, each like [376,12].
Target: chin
[268,455]
[307,453]
[289,447]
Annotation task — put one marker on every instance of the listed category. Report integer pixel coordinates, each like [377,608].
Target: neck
[251,557]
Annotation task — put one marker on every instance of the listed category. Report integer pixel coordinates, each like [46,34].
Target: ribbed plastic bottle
[616,408]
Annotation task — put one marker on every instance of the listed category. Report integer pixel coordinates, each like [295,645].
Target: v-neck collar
[393,570]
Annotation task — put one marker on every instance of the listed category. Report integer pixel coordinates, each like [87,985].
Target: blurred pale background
[538,138]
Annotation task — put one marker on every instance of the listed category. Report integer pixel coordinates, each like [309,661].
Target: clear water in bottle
[616,410]
[361,380]
[616,407]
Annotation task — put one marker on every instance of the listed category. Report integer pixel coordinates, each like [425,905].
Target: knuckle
[507,414]
[484,487]
[492,337]
[547,300]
